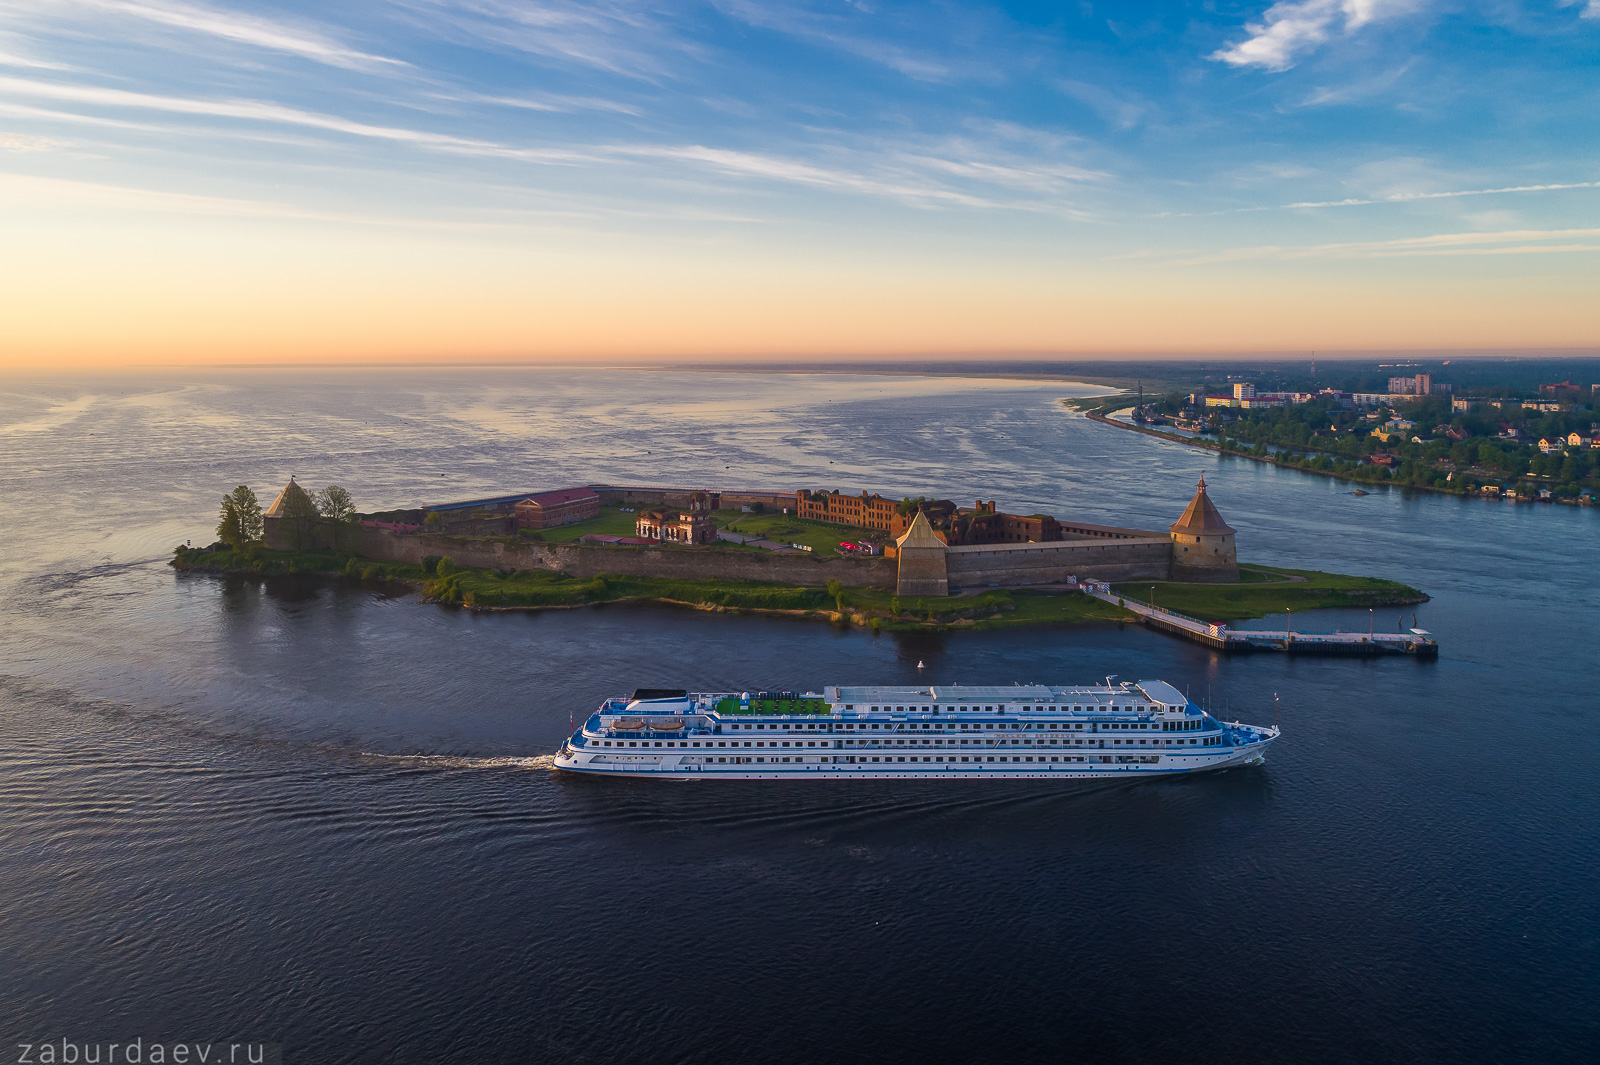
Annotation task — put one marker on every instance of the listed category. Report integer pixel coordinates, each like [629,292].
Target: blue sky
[1320,143]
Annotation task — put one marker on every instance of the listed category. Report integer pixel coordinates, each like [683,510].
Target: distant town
[1536,445]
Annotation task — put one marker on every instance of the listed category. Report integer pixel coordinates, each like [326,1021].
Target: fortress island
[865,560]
[924,548]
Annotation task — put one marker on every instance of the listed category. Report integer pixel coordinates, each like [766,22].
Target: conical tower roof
[276,510]
[920,534]
[1200,517]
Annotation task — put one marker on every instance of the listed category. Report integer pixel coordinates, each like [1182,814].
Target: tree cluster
[242,520]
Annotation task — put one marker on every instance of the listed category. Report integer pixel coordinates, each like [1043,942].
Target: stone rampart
[616,495]
[586,560]
[1046,563]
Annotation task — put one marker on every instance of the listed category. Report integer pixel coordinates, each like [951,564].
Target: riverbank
[1094,414]
[1261,592]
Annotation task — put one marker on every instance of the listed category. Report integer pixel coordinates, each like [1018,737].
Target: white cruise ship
[1022,731]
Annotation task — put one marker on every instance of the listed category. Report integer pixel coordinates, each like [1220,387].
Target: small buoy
[919,663]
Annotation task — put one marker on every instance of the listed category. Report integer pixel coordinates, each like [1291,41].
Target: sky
[496,180]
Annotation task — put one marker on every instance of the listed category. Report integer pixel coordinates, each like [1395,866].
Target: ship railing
[657,734]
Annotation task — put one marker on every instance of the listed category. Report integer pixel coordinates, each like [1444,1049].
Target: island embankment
[440,580]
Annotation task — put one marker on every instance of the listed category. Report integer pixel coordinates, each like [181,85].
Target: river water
[322,816]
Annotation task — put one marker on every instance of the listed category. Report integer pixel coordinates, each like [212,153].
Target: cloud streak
[233,26]
[1292,27]
[1407,197]
[725,161]
[1505,242]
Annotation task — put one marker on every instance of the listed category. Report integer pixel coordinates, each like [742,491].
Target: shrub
[352,567]
[430,564]
[445,566]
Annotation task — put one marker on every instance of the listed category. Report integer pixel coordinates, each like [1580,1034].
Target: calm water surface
[323,815]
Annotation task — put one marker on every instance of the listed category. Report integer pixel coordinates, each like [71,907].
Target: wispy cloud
[12,55]
[778,168]
[1504,242]
[1356,91]
[22,142]
[632,40]
[551,102]
[1292,27]
[1406,197]
[274,35]
[838,26]
[903,176]
[257,110]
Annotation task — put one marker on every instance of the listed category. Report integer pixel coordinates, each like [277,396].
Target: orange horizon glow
[193,292]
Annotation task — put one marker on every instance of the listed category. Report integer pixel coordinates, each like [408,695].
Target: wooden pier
[1417,642]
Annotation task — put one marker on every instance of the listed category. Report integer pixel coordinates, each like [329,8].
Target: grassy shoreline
[1259,594]
[1264,591]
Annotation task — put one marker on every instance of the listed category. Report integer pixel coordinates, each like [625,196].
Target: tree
[249,510]
[335,503]
[836,589]
[229,530]
[894,605]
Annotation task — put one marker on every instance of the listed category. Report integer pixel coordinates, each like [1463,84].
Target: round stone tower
[1202,543]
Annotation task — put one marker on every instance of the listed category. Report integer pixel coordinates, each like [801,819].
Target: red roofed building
[561,507]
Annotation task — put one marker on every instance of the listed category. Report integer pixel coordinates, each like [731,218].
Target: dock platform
[1416,642]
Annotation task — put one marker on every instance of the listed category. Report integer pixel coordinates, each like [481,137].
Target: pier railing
[1222,637]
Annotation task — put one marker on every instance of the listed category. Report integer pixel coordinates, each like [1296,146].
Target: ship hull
[570,761]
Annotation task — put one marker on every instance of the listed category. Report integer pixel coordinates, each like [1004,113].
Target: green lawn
[611,522]
[820,536]
[1258,598]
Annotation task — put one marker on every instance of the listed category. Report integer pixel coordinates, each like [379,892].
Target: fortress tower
[923,568]
[1202,543]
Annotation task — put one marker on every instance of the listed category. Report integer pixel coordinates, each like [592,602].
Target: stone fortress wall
[588,560]
[1200,546]
[1049,563]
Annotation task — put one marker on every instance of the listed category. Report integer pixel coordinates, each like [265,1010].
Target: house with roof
[548,510]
